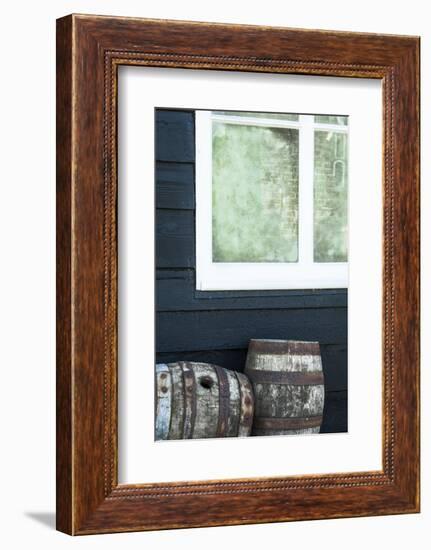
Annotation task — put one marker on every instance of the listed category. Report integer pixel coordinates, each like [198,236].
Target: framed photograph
[237,274]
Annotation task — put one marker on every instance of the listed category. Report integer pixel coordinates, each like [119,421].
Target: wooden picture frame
[89,52]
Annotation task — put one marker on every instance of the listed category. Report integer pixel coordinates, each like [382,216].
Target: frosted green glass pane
[331,119]
[330,197]
[279,116]
[255,194]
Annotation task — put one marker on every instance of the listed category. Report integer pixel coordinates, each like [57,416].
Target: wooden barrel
[199,400]
[288,386]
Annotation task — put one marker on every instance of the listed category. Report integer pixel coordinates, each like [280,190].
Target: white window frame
[303,274]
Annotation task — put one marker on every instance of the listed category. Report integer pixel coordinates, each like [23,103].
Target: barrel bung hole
[206,382]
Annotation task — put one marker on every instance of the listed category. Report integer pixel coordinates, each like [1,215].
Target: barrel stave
[206,401]
[281,401]
[287,378]
[177,419]
[234,405]
[163,401]
[246,405]
[189,382]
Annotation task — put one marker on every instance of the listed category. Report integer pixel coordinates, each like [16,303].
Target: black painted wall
[216,327]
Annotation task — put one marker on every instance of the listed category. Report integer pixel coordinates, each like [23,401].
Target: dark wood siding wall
[216,326]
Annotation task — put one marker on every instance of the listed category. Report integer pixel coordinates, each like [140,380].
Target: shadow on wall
[45,518]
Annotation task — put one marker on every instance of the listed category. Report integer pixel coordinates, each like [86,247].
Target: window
[271,201]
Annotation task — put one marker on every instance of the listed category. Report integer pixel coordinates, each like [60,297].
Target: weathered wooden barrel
[288,386]
[199,400]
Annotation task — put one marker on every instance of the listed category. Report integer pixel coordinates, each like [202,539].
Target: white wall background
[27,289]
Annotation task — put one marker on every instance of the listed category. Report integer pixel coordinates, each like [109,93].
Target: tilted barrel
[199,400]
[288,386]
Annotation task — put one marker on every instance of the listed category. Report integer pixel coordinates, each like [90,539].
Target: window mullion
[306,190]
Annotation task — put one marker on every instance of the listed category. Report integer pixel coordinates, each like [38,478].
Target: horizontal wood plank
[175,185]
[199,330]
[176,292]
[175,246]
[335,419]
[175,131]
[335,366]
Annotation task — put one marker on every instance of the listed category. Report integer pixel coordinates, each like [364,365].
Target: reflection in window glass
[254,193]
[330,197]
[331,119]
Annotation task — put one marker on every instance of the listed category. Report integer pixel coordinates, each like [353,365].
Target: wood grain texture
[175,185]
[175,141]
[288,385]
[176,292]
[164,398]
[64,449]
[232,329]
[89,51]
[175,244]
[223,402]
[335,412]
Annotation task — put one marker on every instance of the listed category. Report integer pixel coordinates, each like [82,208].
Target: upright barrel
[288,386]
[200,400]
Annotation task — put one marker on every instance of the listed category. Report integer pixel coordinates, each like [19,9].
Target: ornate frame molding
[90,49]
